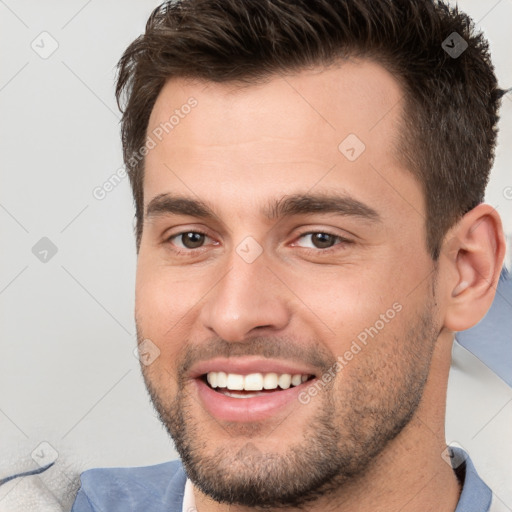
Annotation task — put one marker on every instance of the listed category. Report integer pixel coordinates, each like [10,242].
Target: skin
[242,148]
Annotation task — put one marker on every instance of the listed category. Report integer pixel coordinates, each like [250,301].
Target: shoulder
[126,489]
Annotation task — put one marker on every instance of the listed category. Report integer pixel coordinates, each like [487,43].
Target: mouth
[250,389]
[252,385]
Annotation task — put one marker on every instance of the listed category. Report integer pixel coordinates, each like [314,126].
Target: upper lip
[247,365]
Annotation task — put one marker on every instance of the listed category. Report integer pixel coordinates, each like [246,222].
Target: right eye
[188,240]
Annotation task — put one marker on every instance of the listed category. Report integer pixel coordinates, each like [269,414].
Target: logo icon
[44,454]
[351,147]
[146,352]
[249,249]
[454,45]
[44,250]
[44,45]
[454,455]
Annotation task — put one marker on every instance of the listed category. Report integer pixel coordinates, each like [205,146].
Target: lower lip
[256,408]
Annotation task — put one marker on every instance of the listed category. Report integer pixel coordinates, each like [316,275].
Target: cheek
[157,318]
[364,311]
[349,298]
[165,294]
[379,358]
[161,308]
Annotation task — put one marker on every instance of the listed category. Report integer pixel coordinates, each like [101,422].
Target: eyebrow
[288,206]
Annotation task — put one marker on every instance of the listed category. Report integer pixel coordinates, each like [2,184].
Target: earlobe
[475,256]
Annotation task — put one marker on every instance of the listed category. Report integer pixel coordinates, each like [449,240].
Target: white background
[68,375]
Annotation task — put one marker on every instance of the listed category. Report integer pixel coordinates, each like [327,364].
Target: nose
[248,299]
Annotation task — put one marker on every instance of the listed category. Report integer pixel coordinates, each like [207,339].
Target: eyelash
[328,250]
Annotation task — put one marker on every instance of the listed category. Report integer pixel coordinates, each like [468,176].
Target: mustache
[283,347]
[268,347]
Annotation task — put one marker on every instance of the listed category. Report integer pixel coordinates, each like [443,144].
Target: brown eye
[192,240]
[188,240]
[318,240]
[323,240]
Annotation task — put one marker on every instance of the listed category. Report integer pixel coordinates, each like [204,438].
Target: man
[308,180]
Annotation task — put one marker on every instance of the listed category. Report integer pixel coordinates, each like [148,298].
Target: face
[284,277]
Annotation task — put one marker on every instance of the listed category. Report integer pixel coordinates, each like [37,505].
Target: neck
[409,475]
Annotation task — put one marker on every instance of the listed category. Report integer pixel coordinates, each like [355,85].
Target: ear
[474,251]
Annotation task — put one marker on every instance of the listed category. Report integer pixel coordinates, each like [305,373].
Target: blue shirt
[491,339]
[161,488]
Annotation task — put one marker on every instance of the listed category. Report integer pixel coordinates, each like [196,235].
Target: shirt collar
[475,495]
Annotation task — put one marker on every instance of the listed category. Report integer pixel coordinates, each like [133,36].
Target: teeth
[234,394]
[222,379]
[296,380]
[270,381]
[285,381]
[235,382]
[253,381]
[212,379]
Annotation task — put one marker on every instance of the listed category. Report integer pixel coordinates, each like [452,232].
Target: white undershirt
[189,502]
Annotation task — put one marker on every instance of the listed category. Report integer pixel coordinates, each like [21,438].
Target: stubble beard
[350,429]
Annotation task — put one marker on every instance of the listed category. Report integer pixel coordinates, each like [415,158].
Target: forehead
[284,133]
[353,96]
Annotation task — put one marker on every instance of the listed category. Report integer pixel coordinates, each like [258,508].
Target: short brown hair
[449,127]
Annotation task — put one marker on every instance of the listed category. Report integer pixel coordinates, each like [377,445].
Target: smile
[247,386]
[250,388]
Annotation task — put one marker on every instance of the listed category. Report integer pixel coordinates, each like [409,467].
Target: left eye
[188,240]
[320,240]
